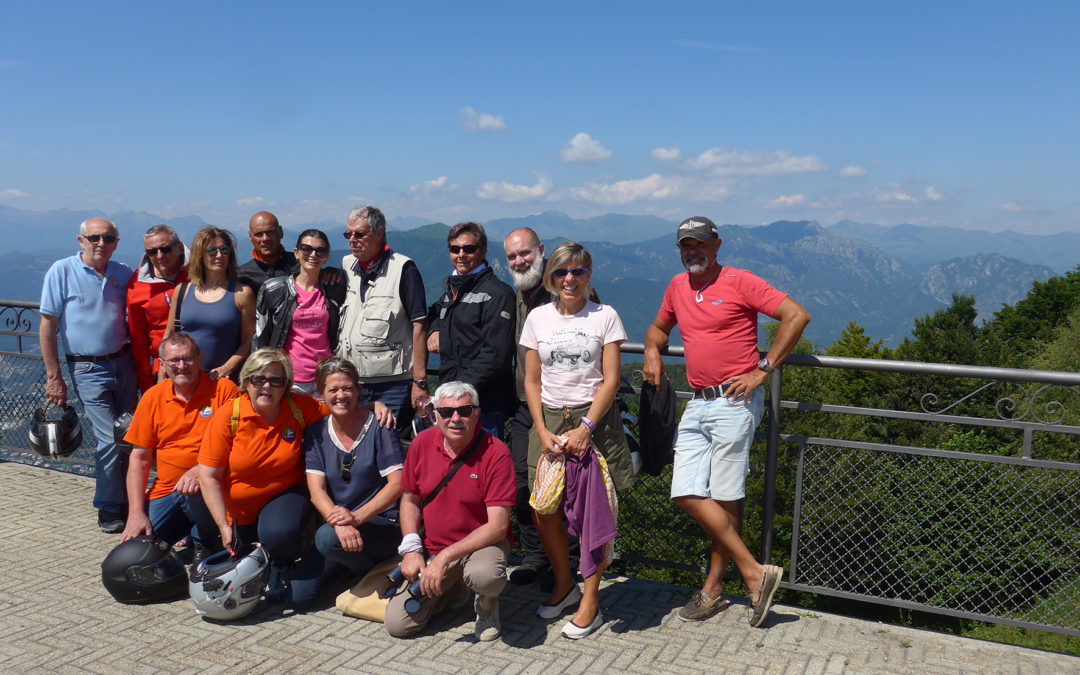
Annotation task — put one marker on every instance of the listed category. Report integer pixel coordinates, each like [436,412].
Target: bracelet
[589,423]
[410,543]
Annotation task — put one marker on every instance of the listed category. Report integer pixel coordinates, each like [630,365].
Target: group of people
[270,392]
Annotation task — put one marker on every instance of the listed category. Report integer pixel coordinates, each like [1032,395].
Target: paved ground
[56,617]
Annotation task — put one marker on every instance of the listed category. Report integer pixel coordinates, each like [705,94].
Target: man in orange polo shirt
[168,426]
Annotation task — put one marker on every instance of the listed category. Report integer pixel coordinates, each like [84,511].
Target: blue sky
[943,113]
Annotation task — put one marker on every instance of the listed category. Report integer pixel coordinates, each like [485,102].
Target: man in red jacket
[149,293]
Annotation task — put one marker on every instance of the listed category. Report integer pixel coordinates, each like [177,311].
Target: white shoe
[572,597]
[575,632]
[488,627]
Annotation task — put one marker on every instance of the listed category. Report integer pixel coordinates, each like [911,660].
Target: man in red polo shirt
[168,427]
[466,523]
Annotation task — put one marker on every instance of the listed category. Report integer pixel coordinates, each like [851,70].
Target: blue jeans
[173,516]
[394,395]
[494,424]
[107,390]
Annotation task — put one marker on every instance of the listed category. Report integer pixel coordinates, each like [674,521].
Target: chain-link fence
[994,538]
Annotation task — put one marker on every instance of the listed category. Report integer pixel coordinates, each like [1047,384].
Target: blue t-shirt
[92,309]
[377,455]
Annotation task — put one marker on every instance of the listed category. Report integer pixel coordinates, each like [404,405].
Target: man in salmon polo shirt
[716,308]
[466,522]
[168,427]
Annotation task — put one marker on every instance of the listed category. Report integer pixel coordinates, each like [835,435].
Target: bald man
[268,257]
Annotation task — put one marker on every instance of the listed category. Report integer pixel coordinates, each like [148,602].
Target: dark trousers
[520,425]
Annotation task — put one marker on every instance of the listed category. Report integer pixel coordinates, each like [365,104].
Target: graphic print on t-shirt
[569,349]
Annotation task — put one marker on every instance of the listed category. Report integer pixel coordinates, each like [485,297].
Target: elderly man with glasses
[167,430]
[149,294]
[458,482]
[385,327]
[84,296]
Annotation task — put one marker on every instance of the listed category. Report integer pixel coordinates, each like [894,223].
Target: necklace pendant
[698,296]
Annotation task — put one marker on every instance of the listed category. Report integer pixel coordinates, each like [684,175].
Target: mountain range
[882,278]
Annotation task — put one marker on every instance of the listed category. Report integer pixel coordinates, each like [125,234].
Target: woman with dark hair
[214,308]
[572,369]
[353,475]
[300,314]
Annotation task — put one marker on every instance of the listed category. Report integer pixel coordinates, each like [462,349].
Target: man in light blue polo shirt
[85,297]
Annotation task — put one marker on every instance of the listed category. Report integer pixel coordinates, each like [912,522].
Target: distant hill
[921,246]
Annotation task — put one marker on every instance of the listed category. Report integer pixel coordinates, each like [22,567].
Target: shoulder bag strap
[179,299]
[450,474]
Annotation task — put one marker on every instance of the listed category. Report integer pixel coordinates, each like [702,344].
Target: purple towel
[588,514]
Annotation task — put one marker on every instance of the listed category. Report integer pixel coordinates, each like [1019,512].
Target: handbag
[364,600]
[549,485]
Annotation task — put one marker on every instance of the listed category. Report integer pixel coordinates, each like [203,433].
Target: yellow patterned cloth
[550,484]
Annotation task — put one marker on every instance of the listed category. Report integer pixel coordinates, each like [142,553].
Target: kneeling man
[459,482]
[168,426]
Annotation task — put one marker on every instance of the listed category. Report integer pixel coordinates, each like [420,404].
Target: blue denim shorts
[712,448]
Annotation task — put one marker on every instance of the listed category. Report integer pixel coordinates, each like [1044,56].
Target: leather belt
[711,392]
[75,358]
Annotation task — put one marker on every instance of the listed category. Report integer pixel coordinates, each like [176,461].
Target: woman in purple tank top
[215,309]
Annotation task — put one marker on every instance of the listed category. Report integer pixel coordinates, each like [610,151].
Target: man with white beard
[716,309]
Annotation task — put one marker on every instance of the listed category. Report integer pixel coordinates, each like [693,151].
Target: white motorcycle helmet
[227,587]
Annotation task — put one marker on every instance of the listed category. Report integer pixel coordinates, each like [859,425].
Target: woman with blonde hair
[214,307]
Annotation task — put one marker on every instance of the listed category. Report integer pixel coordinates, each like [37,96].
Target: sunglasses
[463,410]
[273,381]
[175,363]
[467,248]
[320,251]
[95,238]
[162,250]
[214,250]
[346,466]
[355,235]
[576,271]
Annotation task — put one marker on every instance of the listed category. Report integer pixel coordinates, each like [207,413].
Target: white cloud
[251,201]
[852,171]
[584,148]
[731,162]
[511,192]
[893,194]
[930,194]
[783,202]
[653,186]
[482,121]
[1012,207]
[427,186]
[666,154]
[13,193]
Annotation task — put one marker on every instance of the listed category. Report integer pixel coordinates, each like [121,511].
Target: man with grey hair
[458,482]
[84,296]
[384,332]
[149,294]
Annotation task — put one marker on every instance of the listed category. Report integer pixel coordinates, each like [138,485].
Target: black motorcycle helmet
[55,438]
[142,570]
[120,429]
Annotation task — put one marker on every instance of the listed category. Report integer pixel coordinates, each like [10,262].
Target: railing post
[772,448]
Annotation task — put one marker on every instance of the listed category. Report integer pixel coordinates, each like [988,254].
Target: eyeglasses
[175,363]
[356,234]
[320,251]
[95,238]
[214,250]
[160,250]
[346,466]
[463,410]
[576,271]
[273,381]
[467,248]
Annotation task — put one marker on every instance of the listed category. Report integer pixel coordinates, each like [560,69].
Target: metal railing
[984,525]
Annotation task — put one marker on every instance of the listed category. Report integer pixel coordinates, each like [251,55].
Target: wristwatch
[422,384]
[764,364]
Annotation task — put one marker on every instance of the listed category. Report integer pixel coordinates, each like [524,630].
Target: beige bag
[550,484]
[364,600]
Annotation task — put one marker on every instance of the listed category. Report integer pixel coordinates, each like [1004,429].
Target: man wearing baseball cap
[716,309]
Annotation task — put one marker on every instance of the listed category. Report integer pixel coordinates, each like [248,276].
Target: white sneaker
[488,627]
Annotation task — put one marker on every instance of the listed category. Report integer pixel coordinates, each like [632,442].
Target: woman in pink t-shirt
[300,313]
[572,372]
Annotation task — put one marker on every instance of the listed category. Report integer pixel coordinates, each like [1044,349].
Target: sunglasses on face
[467,248]
[162,250]
[273,381]
[346,466]
[214,250]
[462,410]
[320,251]
[357,234]
[95,238]
[575,271]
